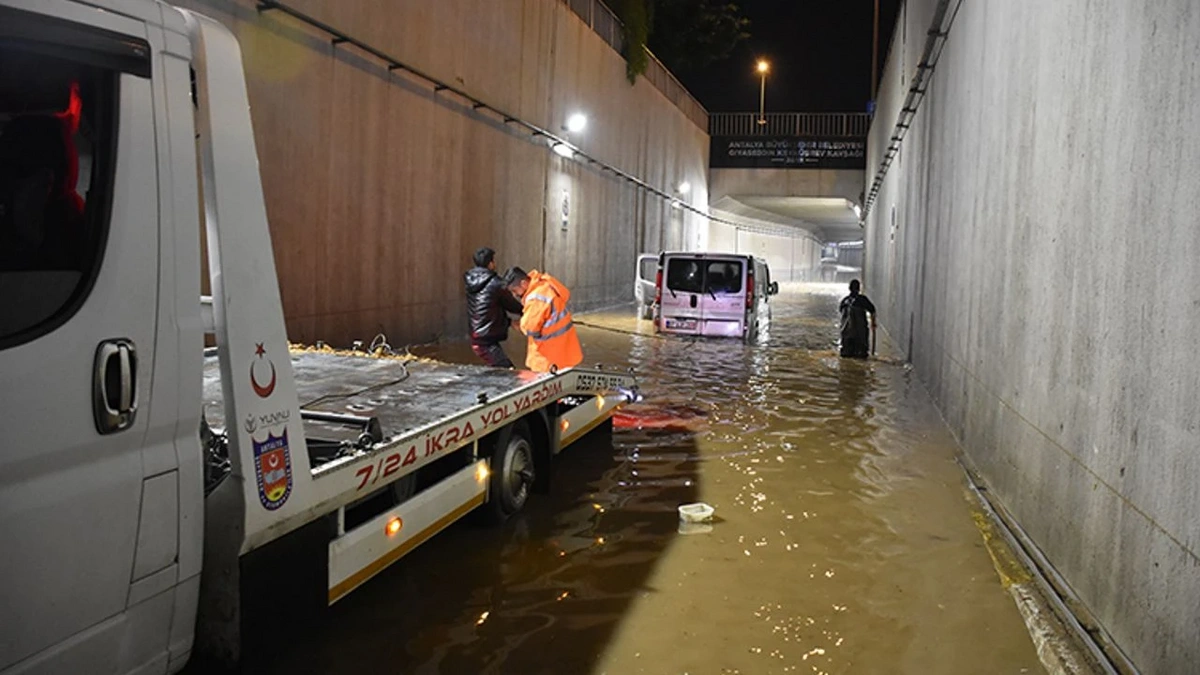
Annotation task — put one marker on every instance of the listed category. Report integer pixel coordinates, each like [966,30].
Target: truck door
[78,296]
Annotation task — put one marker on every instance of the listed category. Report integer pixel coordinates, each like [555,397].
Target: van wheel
[512,473]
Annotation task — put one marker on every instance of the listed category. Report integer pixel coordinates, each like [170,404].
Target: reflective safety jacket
[547,322]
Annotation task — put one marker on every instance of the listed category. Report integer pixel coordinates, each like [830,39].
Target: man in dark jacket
[856,335]
[488,306]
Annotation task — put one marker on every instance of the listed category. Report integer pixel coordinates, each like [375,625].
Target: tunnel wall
[378,189]
[790,257]
[1040,272]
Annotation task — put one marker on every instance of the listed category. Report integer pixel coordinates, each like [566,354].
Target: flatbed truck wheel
[512,473]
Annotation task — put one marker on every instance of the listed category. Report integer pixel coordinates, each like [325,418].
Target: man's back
[549,325]
[856,333]
[487,304]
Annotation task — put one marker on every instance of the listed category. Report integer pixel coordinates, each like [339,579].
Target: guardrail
[845,125]
[605,23]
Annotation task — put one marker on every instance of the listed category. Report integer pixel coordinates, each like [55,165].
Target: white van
[714,294]
[643,284]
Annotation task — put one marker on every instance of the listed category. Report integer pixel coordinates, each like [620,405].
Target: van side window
[57,146]
[649,266]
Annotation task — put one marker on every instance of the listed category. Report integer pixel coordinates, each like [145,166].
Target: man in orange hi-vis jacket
[545,318]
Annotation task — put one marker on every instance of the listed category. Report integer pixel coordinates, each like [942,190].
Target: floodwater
[843,540]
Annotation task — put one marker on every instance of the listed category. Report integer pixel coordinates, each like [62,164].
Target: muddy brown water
[843,540]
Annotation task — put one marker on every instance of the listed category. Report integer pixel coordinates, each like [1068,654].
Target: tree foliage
[635,19]
[688,35]
[685,34]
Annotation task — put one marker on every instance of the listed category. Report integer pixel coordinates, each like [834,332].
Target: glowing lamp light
[566,424]
[482,472]
[684,187]
[563,150]
[576,123]
[393,526]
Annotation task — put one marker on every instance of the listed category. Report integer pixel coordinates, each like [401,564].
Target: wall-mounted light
[563,150]
[857,211]
[576,123]
[684,188]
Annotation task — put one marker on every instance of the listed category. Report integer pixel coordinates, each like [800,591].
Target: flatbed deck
[403,395]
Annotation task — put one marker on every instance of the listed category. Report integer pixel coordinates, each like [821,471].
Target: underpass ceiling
[831,219]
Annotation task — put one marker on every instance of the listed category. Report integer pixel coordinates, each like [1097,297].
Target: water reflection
[842,541]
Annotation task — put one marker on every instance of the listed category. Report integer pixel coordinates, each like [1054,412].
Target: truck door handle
[693,301]
[115,386]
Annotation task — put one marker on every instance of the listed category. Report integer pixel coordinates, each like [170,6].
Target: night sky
[820,55]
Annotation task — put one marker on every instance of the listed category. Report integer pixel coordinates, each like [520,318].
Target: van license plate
[681,323]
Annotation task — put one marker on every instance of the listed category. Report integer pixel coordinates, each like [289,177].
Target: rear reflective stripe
[551,336]
[554,317]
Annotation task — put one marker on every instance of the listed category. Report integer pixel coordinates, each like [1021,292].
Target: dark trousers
[855,349]
[492,354]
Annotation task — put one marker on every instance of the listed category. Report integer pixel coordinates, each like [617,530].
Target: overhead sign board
[787,152]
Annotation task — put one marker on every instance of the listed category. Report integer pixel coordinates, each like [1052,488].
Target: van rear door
[723,303]
[683,285]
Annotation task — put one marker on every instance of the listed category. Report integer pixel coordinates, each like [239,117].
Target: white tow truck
[157,498]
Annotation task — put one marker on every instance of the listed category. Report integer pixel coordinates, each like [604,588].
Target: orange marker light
[393,525]
[566,424]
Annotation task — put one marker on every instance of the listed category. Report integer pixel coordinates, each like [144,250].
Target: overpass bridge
[799,172]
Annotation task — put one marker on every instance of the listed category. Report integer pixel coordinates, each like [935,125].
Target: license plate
[681,323]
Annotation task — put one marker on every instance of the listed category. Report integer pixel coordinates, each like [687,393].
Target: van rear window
[724,276]
[685,275]
[694,275]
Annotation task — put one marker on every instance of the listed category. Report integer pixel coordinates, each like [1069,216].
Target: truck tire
[512,473]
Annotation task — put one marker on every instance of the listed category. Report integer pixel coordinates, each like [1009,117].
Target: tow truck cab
[144,485]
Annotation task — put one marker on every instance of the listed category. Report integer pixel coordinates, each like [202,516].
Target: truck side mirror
[773,289]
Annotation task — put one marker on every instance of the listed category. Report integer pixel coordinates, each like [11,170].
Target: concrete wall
[1041,273]
[378,188]
[790,257]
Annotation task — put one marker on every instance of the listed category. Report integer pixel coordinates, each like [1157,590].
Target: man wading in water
[856,336]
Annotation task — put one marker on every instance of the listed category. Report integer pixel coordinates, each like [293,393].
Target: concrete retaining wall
[379,189]
[790,257]
[1040,271]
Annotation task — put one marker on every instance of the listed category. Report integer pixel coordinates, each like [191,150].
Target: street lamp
[763,69]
